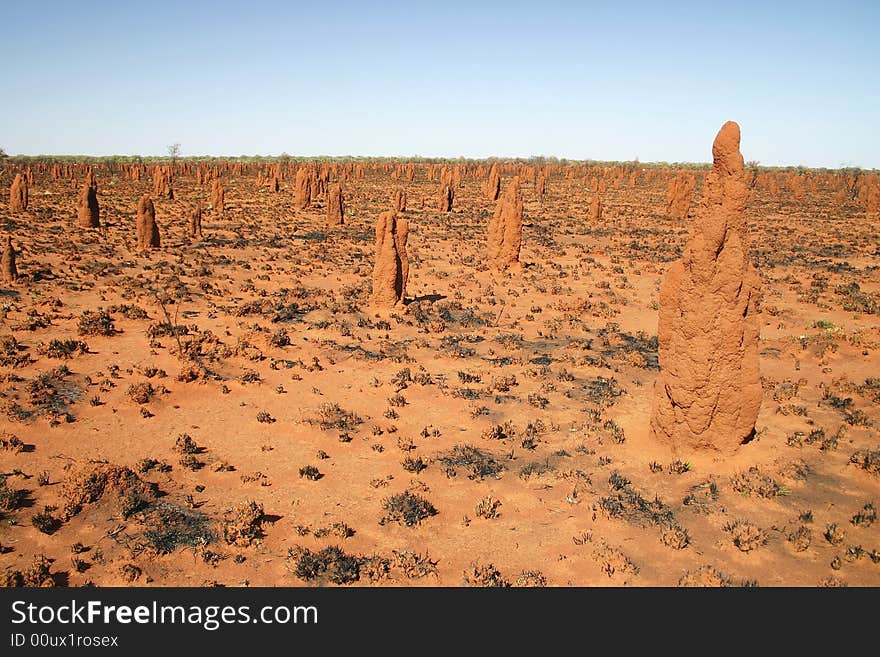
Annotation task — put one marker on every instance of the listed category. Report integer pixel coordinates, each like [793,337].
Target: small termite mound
[147,228]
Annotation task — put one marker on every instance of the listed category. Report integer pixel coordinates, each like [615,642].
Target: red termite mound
[335,206]
[492,186]
[401,234]
[273,178]
[391,268]
[596,207]
[872,200]
[87,211]
[319,182]
[162,182]
[303,189]
[447,196]
[708,393]
[505,229]
[218,196]
[456,175]
[18,194]
[147,229]
[398,200]
[678,199]
[8,270]
[195,220]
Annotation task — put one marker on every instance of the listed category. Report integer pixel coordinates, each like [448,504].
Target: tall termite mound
[391,269]
[398,200]
[162,182]
[272,179]
[195,220]
[678,198]
[492,186]
[872,199]
[505,229]
[147,228]
[401,234]
[8,270]
[456,175]
[218,196]
[303,189]
[18,194]
[446,177]
[446,198]
[541,187]
[335,206]
[275,178]
[319,182]
[596,206]
[708,393]
[87,210]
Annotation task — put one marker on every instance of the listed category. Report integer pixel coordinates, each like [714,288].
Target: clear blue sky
[614,80]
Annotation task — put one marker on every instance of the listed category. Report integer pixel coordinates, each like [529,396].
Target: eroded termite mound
[398,200]
[147,228]
[596,206]
[492,186]
[678,198]
[218,196]
[303,189]
[505,229]
[446,198]
[195,220]
[163,182]
[87,209]
[8,269]
[391,268]
[335,206]
[18,194]
[708,393]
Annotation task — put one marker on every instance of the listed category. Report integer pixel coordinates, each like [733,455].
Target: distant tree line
[536,160]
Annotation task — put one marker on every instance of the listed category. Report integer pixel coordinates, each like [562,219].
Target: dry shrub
[34,576]
[705,576]
[331,563]
[243,524]
[407,509]
[96,322]
[484,576]
[104,482]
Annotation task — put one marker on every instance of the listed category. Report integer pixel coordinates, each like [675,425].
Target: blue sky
[608,81]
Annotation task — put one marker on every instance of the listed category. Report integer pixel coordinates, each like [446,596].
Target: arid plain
[234,408]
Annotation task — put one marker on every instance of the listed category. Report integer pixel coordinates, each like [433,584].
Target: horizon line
[425,158]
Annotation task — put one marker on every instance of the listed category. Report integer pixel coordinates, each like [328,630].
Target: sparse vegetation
[484,576]
[243,524]
[745,535]
[331,416]
[253,359]
[407,509]
[477,463]
[96,322]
